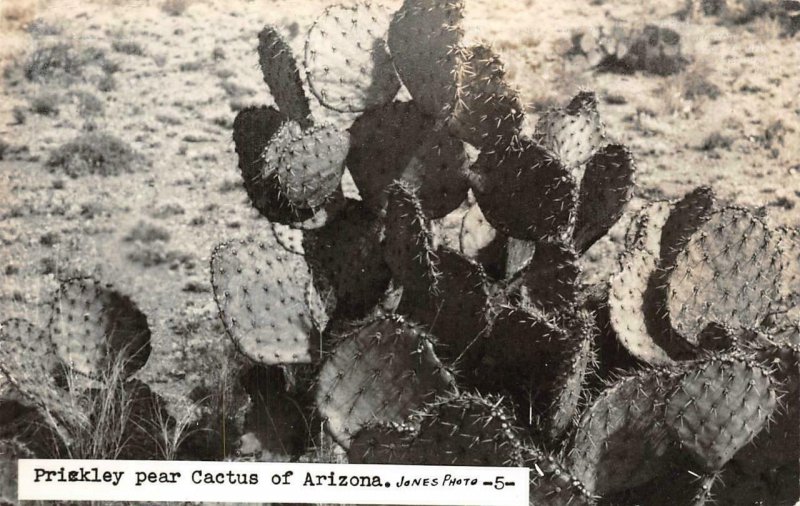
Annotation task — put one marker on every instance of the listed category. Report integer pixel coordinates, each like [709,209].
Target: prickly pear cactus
[622,439]
[267,301]
[673,366]
[93,326]
[282,76]
[307,163]
[379,373]
[573,133]
[422,38]
[719,407]
[346,60]
[488,112]
[728,272]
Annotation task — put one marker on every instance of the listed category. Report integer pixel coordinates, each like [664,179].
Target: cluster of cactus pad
[411,347]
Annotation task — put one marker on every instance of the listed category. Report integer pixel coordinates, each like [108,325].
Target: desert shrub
[88,103]
[175,7]
[93,153]
[147,233]
[107,83]
[49,61]
[128,47]
[45,103]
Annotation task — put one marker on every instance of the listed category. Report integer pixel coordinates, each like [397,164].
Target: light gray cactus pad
[346,60]
[727,273]
[267,301]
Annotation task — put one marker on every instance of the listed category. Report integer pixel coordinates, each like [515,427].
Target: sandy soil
[175,101]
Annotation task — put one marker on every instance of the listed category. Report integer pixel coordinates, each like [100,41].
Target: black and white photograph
[558,236]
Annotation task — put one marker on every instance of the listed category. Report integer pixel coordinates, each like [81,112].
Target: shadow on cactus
[495,352]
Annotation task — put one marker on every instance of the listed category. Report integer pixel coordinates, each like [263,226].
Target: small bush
[93,153]
[128,47]
[175,7]
[146,233]
[88,104]
[107,83]
[45,103]
[49,61]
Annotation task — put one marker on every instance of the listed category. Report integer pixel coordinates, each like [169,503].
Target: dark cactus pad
[488,112]
[606,188]
[422,38]
[378,373]
[279,68]
[347,253]
[525,193]
[383,142]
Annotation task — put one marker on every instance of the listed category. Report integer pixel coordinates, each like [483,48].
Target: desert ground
[167,78]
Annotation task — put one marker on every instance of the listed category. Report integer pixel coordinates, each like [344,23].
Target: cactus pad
[383,443]
[423,38]
[468,430]
[778,444]
[347,64]
[570,376]
[308,164]
[719,407]
[347,252]
[552,484]
[572,133]
[437,170]
[93,326]
[488,111]
[629,307]
[687,215]
[644,231]
[379,373]
[606,187]
[383,142]
[279,68]
[253,129]
[549,280]
[727,273]
[525,193]
[28,360]
[622,440]
[267,301]
[454,308]
[408,247]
